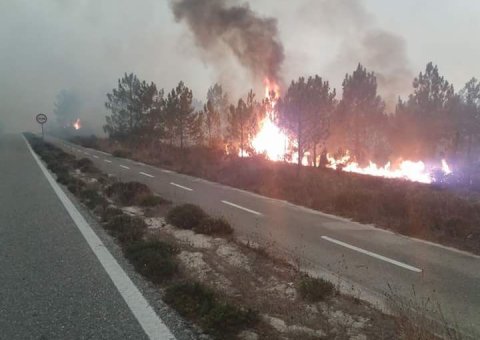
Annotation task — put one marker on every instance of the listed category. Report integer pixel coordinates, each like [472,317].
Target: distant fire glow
[77,125]
[272,142]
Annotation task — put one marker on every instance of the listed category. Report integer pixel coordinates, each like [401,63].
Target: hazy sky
[85,45]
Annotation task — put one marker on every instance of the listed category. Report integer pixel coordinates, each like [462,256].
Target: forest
[434,122]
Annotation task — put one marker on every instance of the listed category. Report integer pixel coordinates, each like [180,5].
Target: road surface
[360,255]
[52,284]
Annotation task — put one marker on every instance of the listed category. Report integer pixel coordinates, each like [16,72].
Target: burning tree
[304,113]
[243,124]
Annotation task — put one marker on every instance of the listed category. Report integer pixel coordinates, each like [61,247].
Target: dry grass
[420,210]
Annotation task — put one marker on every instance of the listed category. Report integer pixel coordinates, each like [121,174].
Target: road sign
[41,118]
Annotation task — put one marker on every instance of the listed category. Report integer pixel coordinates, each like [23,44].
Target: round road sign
[41,118]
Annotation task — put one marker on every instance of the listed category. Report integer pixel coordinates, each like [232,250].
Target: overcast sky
[84,46]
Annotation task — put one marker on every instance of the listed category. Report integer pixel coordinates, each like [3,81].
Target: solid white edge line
[141,309]
[181,186]
[124,166]
[242,208]
[107,160]
[375,255]
[145,174]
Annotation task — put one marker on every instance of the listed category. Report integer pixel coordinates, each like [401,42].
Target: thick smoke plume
[361,40]
[253,40]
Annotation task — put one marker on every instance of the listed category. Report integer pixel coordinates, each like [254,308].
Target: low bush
[64,178]
[314,289]
[121,153]
[153,259]
[214,226]
[85,165]
[126,229]
[152,201]
[128,193]
[91,198]
[110,212]
[186,216]
[76,186]
[220,319]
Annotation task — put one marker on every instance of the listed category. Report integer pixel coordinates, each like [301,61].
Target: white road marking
[369,253]
[107,160]
[145,174]
[95,156]
[242,208]
[104,153]
[124,166]
[166,171]
[141,309]
[181,186]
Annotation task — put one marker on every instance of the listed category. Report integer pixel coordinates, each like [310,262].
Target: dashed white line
[141,309]
[375,255]
[181,186]
[242,208]
[124,166]
[95,156]
[166,171]
[145,174]
[107,160]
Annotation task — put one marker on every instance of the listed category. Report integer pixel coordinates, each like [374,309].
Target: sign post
[41,119]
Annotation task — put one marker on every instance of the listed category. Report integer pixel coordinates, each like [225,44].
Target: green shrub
[121,153]
[186,216]
[152,201]
[129,193]
[214,226]
[225,318]
[314,289]
[64,178]
[111,212]
[153,259]
[91,198]
[195,301]
[76,186]
[85,165]
[126,229]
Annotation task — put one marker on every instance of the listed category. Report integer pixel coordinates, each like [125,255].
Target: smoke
[360,40]
[252,39]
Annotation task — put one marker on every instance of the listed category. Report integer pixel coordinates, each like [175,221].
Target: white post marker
[375,255]
[141,309]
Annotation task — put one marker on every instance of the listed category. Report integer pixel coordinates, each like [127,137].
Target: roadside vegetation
[435,122]
[230,288]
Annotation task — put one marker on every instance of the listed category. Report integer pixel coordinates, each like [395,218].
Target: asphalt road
[52,285]
[360,256]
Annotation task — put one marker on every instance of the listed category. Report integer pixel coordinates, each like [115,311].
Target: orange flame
[77,125]
[272,142]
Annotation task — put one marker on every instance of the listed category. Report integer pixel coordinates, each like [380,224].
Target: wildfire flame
[77,124]
[272,142]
